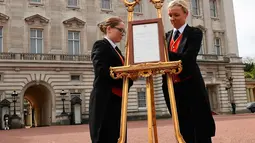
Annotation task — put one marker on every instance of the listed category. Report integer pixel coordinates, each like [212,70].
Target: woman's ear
[108,28]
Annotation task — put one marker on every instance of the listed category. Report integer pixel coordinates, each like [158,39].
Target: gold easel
[147,70]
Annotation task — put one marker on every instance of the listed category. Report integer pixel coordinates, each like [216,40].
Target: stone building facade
[45,48]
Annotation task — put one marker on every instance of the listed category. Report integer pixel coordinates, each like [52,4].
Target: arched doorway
[37,106]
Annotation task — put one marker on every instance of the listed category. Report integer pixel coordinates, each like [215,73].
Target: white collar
[181,29]
[111,42]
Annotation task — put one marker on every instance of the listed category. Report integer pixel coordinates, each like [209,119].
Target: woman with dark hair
[106,95]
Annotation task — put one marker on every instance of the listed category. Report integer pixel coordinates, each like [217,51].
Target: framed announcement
[146,41]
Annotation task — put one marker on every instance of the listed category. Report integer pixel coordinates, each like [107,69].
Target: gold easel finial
[130,5]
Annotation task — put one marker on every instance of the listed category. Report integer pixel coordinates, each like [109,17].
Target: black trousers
[189,138]
[110,131]
[187,115]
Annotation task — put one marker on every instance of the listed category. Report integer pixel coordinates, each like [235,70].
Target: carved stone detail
[37,18]
[3,18]
[76,100]
[201,28]
[5,103]
[75,91]
[74,22]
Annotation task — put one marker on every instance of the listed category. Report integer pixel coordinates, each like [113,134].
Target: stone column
[251,95]
[209,36]
[248,95]
[229,19]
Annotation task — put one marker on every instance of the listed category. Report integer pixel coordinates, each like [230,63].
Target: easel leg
[152,126]
[123,122]
[179,137]
[149,109]
[153,111]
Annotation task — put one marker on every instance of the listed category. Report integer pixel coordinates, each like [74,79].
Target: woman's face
[116,33]
[177,16]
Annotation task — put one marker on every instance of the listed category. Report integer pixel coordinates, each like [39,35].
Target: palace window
[106,4]
[36,40]
[73,3]
[201,51]
[1,39]
[138,8]
[73,42]
[213,8]
[195,7]
[141,99]
[75,77]
[217,45]
[35,1]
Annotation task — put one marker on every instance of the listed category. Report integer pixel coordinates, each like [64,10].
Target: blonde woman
[195,118]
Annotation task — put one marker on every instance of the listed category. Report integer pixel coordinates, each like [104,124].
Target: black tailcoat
[104,106]
[195,117]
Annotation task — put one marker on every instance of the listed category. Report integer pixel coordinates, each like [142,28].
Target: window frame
[218,46]
[77,2]
[143,100]
[2,39]
[213,8]
[36,38]
[73,41]
[110,5]
[196,7]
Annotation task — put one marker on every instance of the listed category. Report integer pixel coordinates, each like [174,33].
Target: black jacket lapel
[169,36]
[183,40]
[113,51]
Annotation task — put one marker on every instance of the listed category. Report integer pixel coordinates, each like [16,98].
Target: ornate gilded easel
[147,70]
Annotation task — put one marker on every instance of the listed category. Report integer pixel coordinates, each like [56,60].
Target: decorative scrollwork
[157,3]
[146,69]
[130,5]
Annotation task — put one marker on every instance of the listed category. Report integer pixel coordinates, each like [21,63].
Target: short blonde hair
[182,3]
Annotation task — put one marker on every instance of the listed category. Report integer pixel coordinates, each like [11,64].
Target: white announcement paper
[146,43]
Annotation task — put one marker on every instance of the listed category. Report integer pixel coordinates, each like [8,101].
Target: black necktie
[176,34]
[118,50]
[119,53]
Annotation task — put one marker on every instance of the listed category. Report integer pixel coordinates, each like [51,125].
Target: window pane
[201,48]
[70,2]
[35,0]
[141,99]
[70,47]
[39,33]
[76,35]
[137,8]
[76,47]
[106,4]
[218,50]
[73,2]
[217,42]
[33,45]
[1,40]
[217,46]
[70,35]
[1,44]
[39,46]
[33,33]
[213,8]
[75,77]
[36,40]
[195,7]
